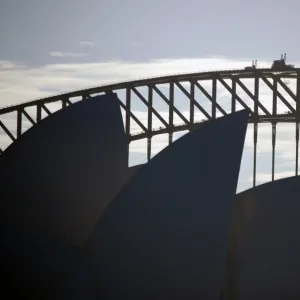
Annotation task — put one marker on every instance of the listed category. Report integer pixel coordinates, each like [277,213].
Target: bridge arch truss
[189,100]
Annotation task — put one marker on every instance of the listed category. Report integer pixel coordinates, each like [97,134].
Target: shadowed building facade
[264,261]
[60,175]
[165,234]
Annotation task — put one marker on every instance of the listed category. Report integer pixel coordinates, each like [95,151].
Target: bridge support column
[297,118]
[128,148]
[214,98]
[274,113]
[127,119]
[233,95]
[38,113]
[149,144]
[150,106]
[63,103]
[255,129]
[127,111]
[19,123]
[297,148]
[171,113]
[192,106]
[273,149]
[170,138]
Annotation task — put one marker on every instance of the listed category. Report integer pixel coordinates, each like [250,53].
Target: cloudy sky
[51,47]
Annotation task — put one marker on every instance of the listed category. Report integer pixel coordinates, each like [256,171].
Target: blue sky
[49,47]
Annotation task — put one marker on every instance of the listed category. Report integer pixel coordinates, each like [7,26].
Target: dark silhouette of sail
[37,266]
[264,261]
[165,234]
[61,174]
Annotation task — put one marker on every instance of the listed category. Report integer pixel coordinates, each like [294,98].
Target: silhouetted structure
[156,231]
[37,266]
[62,173]
[264,262]
[165,234]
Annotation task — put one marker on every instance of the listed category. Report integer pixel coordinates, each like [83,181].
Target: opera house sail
[78,223]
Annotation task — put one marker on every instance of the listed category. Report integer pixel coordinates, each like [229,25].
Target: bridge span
[186,100]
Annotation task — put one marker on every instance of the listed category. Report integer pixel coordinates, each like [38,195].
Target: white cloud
[66,54]
[87,44]
[8,65]
[19,83]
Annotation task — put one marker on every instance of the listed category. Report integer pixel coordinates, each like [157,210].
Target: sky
[52,47]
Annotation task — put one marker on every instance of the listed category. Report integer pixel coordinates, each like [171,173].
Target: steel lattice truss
[201,95]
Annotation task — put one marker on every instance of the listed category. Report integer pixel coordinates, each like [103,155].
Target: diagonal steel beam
[209,97]
[28,117]
[152,109]
[238,98]
[207,115]
[68,101]
[271,86]
[246,90]
[157,90]
[7,131]
[291,94]
[45,108]
[134,118]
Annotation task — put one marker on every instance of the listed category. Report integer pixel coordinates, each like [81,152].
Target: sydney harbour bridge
[201,94]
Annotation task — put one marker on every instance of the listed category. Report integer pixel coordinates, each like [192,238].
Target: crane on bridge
[253,67]
[280,64]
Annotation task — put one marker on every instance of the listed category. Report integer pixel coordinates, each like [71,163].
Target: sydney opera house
[78,223]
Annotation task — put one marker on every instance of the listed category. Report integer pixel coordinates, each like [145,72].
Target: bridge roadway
[281,118]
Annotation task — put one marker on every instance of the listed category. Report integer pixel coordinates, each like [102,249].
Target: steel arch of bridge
[258,111]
